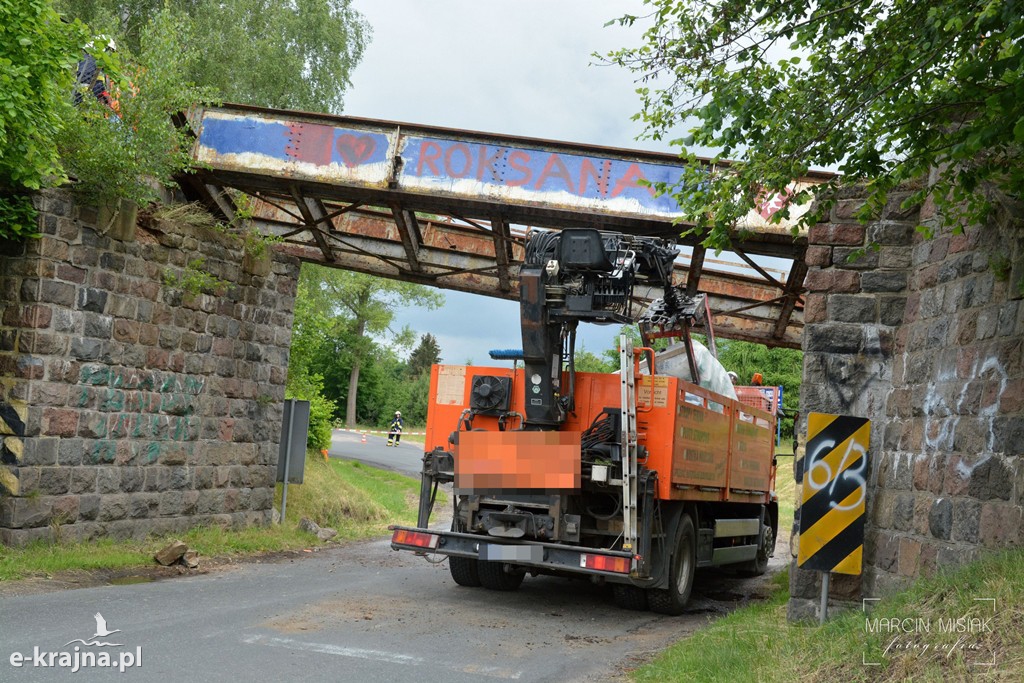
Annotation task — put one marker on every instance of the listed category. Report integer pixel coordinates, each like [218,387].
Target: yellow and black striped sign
[834,491]
[12,428]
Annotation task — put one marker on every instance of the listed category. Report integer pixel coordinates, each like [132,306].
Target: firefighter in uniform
[395,431]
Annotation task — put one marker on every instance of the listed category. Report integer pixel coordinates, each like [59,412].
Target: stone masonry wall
[926,338]
[128,406]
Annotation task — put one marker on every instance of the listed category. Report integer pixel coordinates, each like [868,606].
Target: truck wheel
[628,596]
[464,571]
[759,565]
[494,576]
[672,600]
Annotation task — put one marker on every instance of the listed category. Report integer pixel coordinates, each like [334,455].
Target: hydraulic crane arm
[579,274]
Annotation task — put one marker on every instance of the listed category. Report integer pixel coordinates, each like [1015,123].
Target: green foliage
[296,55]
[780,367]
[386,385]
[329,499]
[885,90]
[120,156]
[343,321]
[426,354]
[194,279]
[253,242]
[306,383]
[18,216]
[292,55]
[591,362]
[321,416]
[38,53]
[357,500]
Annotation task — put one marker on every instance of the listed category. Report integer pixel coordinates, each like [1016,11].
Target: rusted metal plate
[285,147]
[554,176]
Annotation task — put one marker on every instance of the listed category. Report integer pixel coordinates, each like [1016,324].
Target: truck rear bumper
[614,565]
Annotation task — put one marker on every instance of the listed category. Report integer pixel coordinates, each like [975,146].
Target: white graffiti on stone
[942,420]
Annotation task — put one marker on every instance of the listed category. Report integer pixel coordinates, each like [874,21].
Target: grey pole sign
[291,457]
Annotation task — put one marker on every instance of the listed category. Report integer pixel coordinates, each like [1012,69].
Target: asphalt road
[406,458]
[356,613]
[359,612]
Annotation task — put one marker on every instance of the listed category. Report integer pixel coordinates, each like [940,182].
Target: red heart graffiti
[354,149]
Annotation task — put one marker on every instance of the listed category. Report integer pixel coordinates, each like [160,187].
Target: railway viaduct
[129,406]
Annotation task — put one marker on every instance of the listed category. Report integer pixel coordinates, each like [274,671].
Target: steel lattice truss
[452,209]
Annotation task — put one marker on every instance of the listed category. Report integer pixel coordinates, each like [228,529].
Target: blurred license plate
[511,553]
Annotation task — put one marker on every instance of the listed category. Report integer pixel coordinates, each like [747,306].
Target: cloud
[517,68]
[470,325]
[521,68]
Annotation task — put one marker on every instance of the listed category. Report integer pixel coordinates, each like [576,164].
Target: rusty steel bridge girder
[323,186]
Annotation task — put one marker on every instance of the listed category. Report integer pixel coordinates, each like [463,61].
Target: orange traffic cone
[364,438]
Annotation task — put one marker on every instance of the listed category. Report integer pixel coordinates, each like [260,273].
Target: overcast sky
[519,68]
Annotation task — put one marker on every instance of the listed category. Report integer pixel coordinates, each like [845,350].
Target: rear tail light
[416,538]
[606,563]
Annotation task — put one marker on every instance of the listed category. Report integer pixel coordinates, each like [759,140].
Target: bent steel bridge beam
[448,208]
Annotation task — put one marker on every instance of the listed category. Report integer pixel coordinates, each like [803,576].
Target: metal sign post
[295,429]
[832,508]
[825,576]
[287,439]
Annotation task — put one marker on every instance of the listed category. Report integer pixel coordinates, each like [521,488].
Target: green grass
[46,559]
[756,643]
[358,500]
[786,489]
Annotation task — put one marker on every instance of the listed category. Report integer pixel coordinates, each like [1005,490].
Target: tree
[118,155]
[45,137]
[38,53]
[291,55]
[591,362]
[427,353]
[356,307]
[780,367]
[885,90]
[305,378]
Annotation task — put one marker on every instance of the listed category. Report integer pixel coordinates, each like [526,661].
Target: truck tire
[628,596]
[464,571]
[494,576]
[759,565]
[672,600]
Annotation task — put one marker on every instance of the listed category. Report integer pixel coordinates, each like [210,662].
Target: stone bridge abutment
[926,338]
[129,406]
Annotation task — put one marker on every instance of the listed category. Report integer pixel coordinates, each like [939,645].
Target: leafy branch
[884,90]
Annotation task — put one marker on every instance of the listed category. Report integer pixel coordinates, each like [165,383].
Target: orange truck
[634,479]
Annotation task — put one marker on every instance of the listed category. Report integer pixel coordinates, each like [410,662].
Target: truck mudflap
[612,564]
